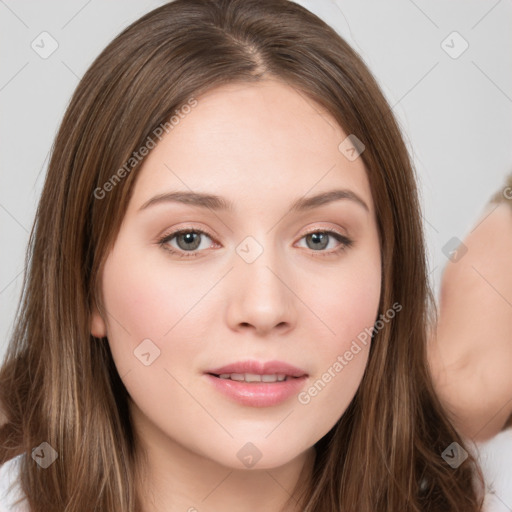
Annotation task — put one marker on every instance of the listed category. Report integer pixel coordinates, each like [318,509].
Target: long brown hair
[58,384]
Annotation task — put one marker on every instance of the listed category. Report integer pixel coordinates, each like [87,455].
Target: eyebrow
[215,202]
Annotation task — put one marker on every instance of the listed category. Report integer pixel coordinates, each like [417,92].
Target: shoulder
[10,491]
[470,352]
[495,458]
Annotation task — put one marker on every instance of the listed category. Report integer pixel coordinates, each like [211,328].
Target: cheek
[347,302]
[144,300]
[348,307]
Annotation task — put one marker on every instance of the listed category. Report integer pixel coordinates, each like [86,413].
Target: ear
[98,327]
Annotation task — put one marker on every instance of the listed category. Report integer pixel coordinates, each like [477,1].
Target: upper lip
[259,368]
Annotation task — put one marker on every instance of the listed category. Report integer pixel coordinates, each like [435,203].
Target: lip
[258,368]
[261,394]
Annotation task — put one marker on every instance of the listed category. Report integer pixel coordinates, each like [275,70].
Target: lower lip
[261,394]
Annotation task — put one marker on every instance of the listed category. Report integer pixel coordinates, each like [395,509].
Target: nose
[260,295]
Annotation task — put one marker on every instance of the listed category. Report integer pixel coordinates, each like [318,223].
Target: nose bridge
[258,263]
[261,297]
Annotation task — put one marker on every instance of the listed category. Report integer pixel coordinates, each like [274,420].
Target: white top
[495,459]
[494,456]
[10,490]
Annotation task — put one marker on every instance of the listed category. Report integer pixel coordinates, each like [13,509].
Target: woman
[150,373]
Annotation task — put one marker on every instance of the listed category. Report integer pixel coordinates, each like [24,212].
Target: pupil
[318,240]
[188,239]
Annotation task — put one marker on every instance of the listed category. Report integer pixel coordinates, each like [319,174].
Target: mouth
[255,384]
[255,371]
[254,377]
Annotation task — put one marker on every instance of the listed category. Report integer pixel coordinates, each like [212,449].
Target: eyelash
[345,242]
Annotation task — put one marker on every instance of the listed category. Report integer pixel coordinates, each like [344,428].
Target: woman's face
[247,286]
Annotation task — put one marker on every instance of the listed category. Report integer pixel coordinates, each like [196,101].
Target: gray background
[455,113]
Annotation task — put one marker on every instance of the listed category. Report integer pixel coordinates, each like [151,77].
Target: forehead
[252,141]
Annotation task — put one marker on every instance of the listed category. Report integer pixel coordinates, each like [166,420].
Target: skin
[261,146]
[469,350]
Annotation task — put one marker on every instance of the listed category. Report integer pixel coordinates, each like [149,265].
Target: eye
[188,242]
[318,240]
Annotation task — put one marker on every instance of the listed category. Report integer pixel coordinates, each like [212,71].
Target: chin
[253,456]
